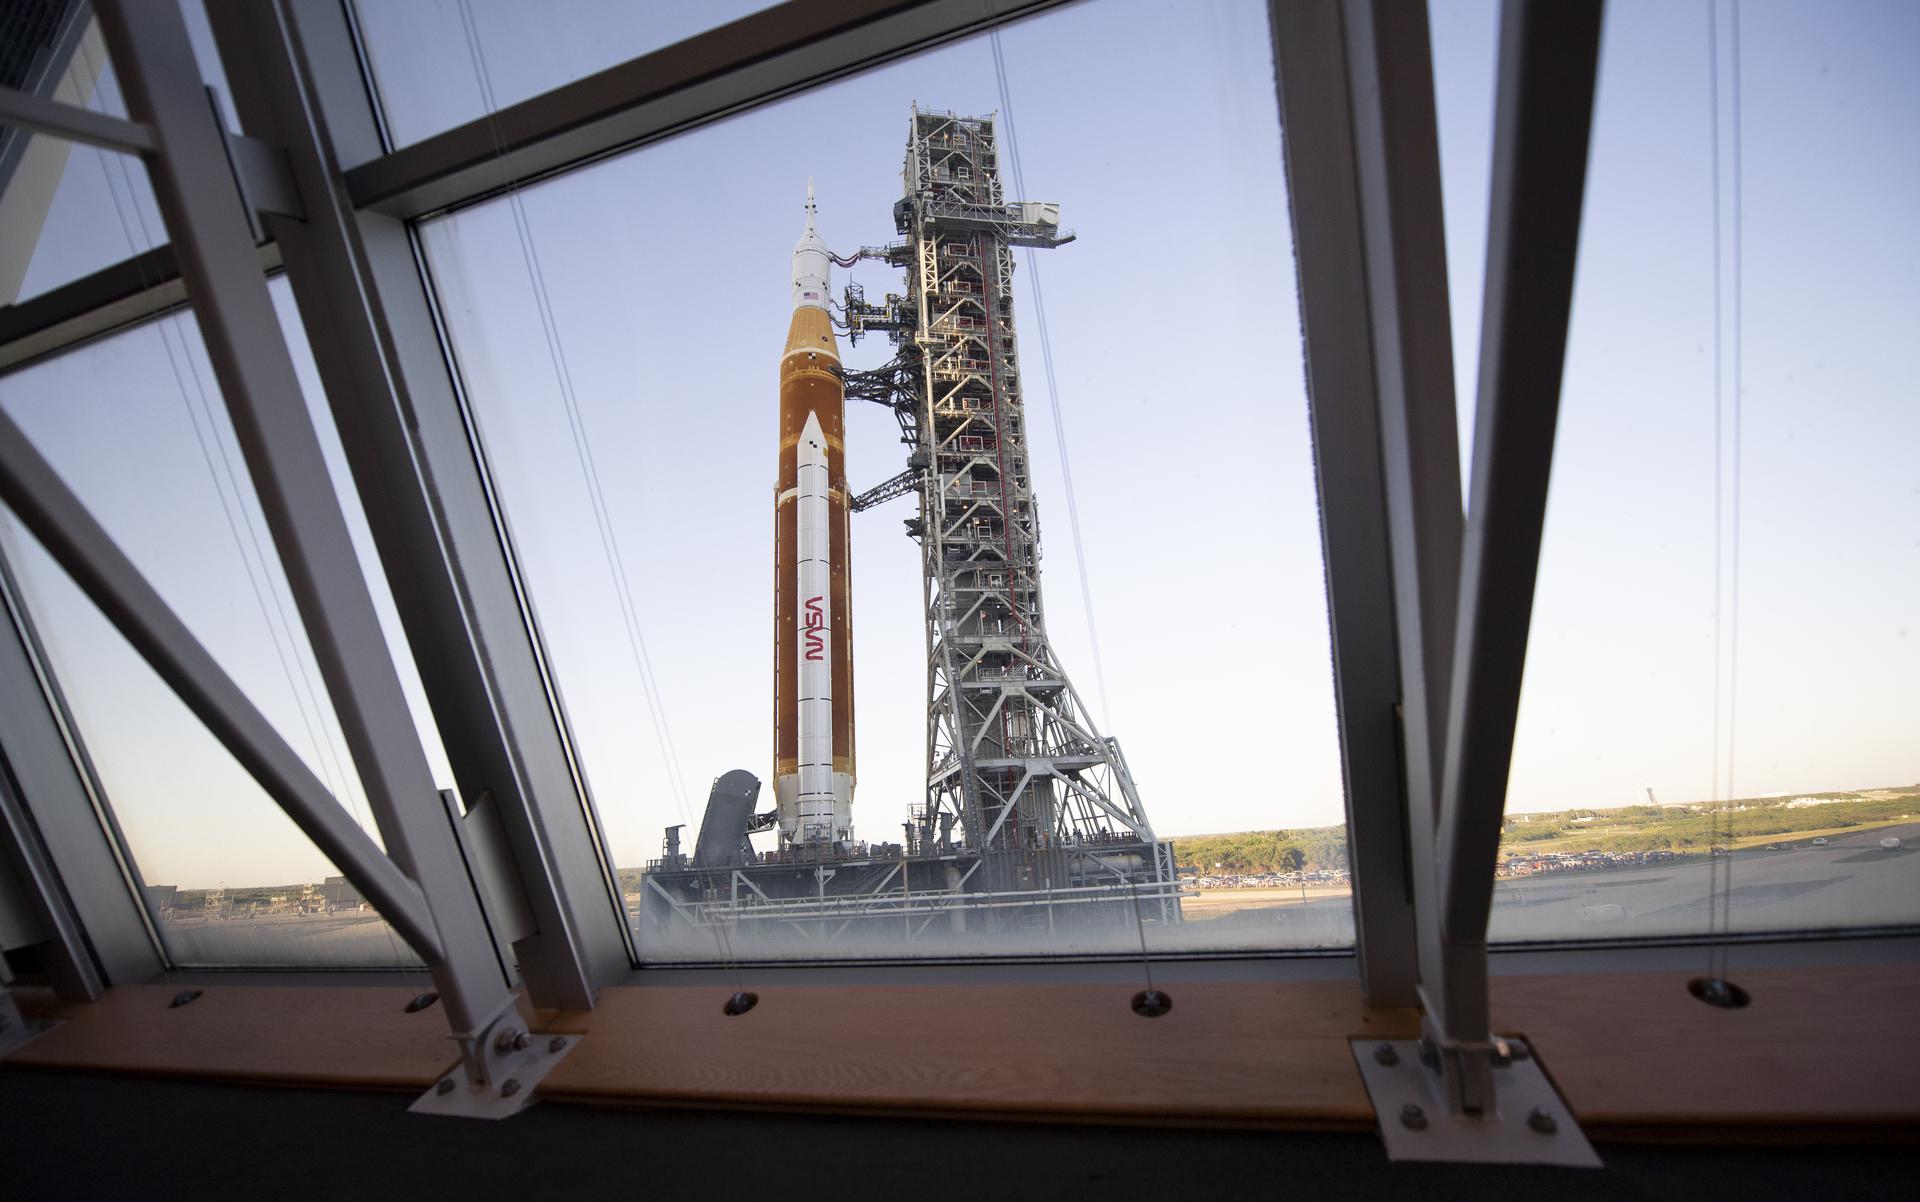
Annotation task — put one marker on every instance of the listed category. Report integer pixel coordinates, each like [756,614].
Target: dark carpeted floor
[73,1136]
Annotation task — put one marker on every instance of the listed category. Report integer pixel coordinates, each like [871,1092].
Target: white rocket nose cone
[811,263]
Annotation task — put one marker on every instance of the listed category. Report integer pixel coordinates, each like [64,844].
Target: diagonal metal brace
[44,504]
[24,110]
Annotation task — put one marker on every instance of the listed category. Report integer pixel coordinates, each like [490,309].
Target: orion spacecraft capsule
[813,764]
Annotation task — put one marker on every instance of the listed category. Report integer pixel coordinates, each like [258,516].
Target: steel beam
[44,504]
[753,61]
[773,53]
[429,503]
[1463,588]
[70,963]
[132,290]
[201,203]
[1543,115]
[45,76]
[24,110]
[1460,593]
[1361,290]
[66,809]
[1397,168]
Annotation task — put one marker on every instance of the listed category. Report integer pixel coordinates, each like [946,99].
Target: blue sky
[1816,671]
[1175,339]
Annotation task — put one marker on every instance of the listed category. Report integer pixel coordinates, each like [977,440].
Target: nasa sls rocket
[813,766]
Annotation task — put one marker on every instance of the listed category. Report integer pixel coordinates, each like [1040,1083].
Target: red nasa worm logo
[816,630]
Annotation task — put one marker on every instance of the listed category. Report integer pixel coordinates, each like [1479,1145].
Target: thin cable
[583,453]
[1727,498]
[1053,386]
[1066,466]
[1733,623]
[1719,489]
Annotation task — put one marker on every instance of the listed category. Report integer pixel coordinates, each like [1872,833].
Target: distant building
[340,894]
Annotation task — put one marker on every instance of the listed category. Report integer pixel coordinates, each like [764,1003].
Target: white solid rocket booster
[813,602]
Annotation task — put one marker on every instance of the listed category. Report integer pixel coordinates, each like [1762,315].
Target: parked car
[1820,842]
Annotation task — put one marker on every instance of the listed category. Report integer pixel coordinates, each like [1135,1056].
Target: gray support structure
[27,863]
[1549,54]
[201,202]
[1429,610]
[65,838]
[780,50]
[120,295]
[1332,219]
[53,46]
[1363,159]
[1013,757]
[25,858]
[44,504]
[23,110]
[1397,162]
[759,58]
[424,488]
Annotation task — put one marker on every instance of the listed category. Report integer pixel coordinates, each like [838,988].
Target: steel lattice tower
[1013,758]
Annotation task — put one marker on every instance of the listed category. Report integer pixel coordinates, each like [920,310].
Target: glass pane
[1466,48]
[1715,703]
[427,59]
[619,332]
[67,210]
[137,428]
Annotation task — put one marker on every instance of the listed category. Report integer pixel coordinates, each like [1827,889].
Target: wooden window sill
[1821,1052]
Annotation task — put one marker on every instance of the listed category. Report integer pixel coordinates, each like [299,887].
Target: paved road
[1852,881]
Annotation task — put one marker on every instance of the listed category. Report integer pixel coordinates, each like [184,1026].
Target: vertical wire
[1733,633]
[583,452]
[1066,467]
[1053,389]
[1719,490]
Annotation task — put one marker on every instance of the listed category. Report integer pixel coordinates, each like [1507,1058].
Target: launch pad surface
[885,898]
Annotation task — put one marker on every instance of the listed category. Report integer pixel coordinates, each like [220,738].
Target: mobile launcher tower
[1031,821]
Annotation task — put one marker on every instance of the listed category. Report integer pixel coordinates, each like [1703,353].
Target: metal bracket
[262,173]
[516,1061]
[1529,1123]
[483,842]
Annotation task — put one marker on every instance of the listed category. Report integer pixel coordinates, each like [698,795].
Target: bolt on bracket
[1529,1123]
[516,1061]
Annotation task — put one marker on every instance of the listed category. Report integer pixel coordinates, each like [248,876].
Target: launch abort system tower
[1013,759]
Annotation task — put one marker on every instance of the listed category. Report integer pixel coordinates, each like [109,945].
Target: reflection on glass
[422,55]
[1716,701]
[620,333]
[136,427]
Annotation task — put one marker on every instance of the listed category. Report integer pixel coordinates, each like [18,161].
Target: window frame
[356,269]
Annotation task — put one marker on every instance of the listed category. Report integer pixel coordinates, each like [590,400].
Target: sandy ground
[1212,903]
